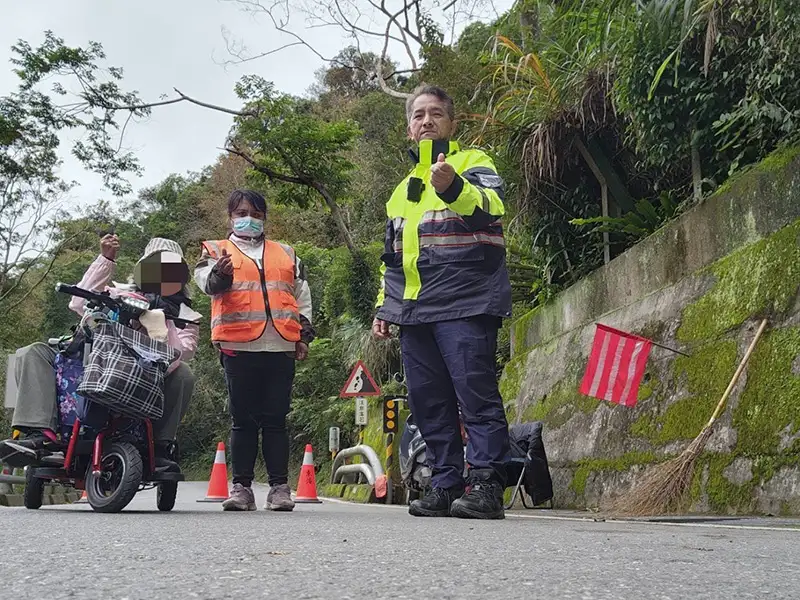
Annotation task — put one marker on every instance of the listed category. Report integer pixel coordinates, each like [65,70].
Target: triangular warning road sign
[360,383]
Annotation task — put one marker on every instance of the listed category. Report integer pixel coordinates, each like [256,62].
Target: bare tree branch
[321,189]
[56,253]
[379,68]
[403,26]
[233,149]
[183,98]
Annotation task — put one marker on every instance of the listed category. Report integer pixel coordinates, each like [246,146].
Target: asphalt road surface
[340,551]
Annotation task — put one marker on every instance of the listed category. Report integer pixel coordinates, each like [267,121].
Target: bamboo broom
[664,489]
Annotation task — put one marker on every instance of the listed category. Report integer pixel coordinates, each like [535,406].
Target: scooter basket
[126,371]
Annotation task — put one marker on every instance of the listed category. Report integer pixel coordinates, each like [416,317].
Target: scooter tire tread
[33,496]
[127,488]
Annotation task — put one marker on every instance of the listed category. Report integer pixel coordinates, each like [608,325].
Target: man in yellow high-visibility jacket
[446,285]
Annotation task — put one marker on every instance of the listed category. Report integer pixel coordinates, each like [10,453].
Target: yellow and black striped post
[389,466]
[390,417]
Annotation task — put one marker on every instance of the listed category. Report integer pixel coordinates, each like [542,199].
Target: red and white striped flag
[616,366]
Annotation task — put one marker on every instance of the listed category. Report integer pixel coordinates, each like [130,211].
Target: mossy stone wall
[700,284]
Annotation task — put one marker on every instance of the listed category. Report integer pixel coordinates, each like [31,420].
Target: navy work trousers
[451,364]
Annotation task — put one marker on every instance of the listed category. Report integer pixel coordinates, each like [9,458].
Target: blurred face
[429,120]
[163,273]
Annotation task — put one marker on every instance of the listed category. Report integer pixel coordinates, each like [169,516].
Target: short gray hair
[431,90]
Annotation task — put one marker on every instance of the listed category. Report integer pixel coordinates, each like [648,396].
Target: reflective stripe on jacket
[444,256]
[240,313]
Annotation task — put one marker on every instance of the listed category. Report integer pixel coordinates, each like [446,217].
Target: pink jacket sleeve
[184,340]
[96,278]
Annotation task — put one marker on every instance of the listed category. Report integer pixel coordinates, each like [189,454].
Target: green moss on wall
[707,373]
[511,381]
[759,278]
[724,496]
[621,463]
[511,413]
[521,326]
[776,162]
[771,400]
[557,407]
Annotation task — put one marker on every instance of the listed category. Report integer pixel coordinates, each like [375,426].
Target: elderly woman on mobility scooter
[36,414]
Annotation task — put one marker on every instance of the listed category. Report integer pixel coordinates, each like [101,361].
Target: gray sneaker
[280,498]
[241,498]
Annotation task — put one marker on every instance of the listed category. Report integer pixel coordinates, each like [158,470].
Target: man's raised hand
[442,174]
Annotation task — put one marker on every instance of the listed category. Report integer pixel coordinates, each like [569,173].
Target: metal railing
[371,469]
[7,479]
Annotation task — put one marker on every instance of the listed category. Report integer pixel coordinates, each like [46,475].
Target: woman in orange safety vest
[261,323]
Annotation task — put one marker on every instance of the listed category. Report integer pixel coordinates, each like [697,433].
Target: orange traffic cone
[83,499]
[218,484]
[307,483]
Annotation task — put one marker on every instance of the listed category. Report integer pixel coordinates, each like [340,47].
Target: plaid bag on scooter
[126,371]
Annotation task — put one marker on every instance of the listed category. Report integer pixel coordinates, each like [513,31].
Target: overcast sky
[162,44]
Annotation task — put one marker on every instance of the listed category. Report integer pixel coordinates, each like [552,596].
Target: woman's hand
[109,246]
[225,263]
[300,351]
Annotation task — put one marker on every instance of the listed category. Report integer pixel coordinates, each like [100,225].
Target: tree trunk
[338,217]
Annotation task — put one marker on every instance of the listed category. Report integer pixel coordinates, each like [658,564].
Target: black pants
[259,396]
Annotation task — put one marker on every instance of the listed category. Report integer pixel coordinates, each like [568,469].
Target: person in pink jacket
[36,412]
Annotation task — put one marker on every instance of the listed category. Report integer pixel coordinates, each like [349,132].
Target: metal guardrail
[12,479]
[359,468]
[371,469]
[8,479]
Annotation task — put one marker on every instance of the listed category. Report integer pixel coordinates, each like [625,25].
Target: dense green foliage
[664,99]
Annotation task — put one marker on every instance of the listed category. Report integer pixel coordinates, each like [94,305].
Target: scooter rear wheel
[34,490]
[114,487]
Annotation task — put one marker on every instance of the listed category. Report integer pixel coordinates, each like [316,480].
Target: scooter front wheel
[166,495]
[34,490]
[113,488]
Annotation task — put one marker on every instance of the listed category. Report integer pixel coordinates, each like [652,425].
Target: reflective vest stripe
[245,286]
[445,215]
[253,315]
[214,249]
[486,204]
[238,317]
[461,239]
[255,286]
[439,216]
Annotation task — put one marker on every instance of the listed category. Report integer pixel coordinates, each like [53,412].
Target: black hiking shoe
[483,500]
[28,450]
[436,503]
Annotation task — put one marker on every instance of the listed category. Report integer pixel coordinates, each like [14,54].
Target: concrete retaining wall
[700,284]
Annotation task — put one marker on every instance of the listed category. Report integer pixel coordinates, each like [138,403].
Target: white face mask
[248,227]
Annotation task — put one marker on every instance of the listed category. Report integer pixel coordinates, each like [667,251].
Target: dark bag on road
[126,371]
[526,441]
